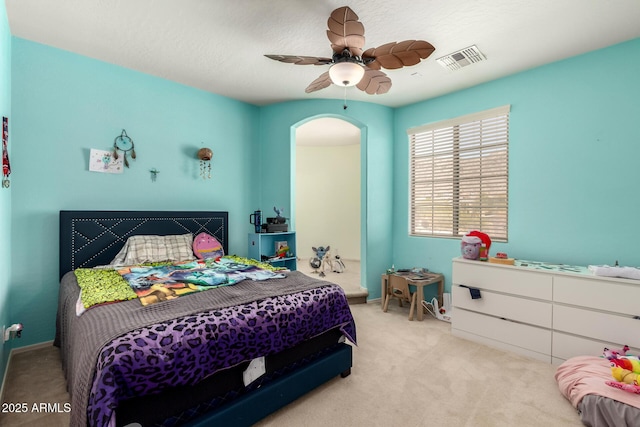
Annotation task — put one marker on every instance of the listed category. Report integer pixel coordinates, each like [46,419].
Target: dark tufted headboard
[90,238]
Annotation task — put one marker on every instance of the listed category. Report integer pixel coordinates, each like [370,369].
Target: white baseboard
[30,347]
[4,379]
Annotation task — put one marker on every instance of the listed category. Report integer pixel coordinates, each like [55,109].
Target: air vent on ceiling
[462,58]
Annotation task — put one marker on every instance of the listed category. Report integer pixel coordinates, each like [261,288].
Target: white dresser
[545,314]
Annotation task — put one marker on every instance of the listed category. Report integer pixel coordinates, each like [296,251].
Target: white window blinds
[459,176]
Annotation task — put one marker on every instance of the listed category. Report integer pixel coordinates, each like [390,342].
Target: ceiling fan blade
[345,31]
[374,82]
[397,55]
[320,83]
[300,60]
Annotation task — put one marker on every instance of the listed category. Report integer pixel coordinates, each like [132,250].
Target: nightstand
[264,246]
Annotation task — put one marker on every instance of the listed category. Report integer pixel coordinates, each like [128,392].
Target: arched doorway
[327,194]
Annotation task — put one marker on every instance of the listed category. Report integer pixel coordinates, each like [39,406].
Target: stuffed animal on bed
[614,354]
[628,362]
[625,370]
[624,375]
[631,388]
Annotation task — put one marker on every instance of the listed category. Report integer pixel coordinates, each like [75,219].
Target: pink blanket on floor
[584,375]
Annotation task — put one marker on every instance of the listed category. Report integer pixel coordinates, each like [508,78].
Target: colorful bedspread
[185,350]
[153,284]
[101,286]
[210,330]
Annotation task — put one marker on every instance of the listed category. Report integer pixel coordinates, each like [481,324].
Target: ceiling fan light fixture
[346,73]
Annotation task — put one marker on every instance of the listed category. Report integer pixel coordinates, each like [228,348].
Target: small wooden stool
[397,287]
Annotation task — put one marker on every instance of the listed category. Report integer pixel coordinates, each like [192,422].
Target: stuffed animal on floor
[338,265]
[315,263]
[320,260]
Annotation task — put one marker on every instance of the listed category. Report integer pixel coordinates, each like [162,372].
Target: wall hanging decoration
[205,155]
[104,161]
[6,167]
[124,144]
[154,174]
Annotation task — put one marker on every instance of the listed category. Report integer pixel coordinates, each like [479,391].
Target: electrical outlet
[13,331]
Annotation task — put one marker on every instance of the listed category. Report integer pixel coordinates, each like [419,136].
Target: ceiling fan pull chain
[344,107]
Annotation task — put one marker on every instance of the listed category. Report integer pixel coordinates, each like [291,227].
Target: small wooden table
[417,280]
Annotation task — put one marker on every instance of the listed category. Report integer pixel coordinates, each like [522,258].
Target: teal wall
[573,162]
[68,104]
[5,193]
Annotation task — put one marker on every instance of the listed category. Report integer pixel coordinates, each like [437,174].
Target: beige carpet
[405,374]
[416,374]
[348,279]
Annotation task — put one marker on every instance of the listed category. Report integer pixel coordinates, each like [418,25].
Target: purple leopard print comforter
[215,329]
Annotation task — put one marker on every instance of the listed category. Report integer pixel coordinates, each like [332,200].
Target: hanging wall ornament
[124,144]
[6,166]
[205,155]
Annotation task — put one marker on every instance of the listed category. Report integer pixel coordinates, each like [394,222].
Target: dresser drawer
[596,293]
[565,346]
[510,307]
[597,325]
[503,278]
[511,333]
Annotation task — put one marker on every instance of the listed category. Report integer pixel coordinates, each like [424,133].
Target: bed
[583,380]
[226,356]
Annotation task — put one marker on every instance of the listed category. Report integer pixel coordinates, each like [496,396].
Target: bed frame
[91,238]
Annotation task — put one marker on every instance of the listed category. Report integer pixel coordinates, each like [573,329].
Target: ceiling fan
[350,65]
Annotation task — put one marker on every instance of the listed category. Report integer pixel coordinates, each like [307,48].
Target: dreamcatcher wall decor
[125,144]
[6,167]
[205,155]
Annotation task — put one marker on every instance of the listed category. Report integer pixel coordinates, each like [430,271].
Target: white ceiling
[218,45]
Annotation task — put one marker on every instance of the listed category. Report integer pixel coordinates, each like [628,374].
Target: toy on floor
[321,260]
[324,260]
[338,265]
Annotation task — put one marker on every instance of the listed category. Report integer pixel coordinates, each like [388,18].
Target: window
[459,176]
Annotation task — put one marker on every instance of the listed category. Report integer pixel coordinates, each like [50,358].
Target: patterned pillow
[143,249]
[206,246]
